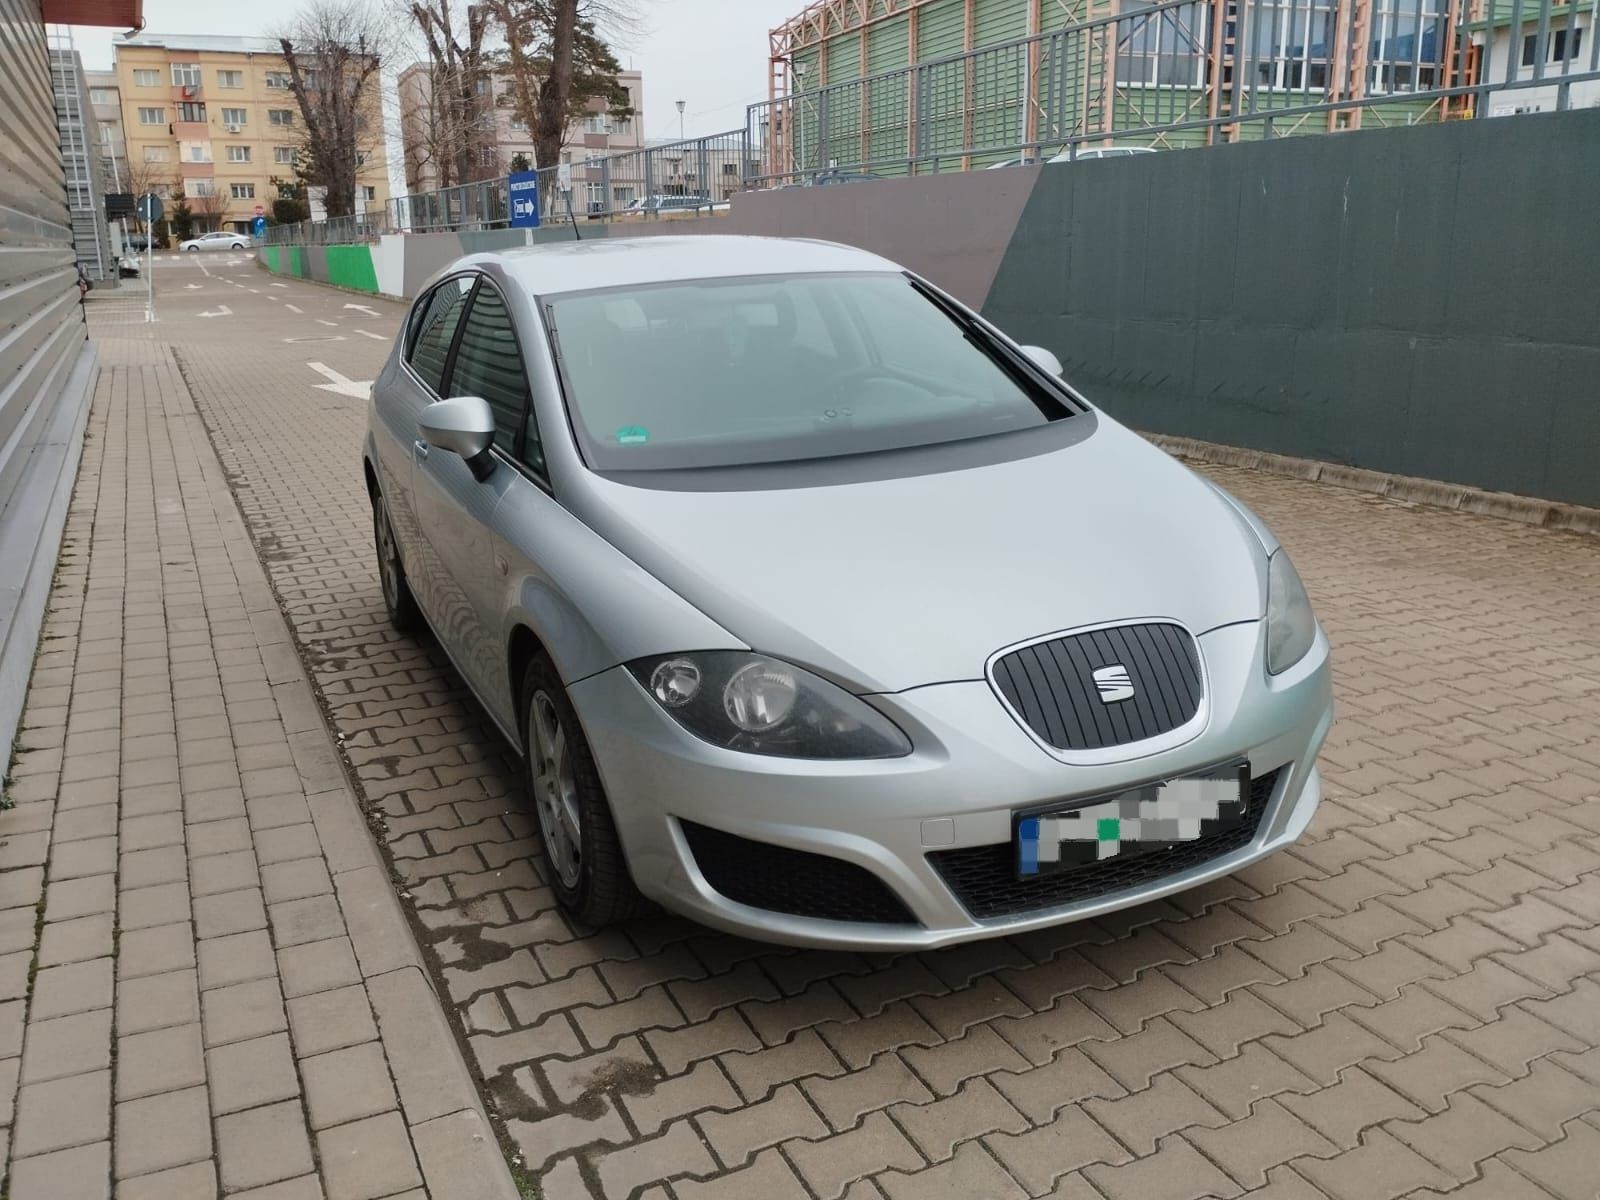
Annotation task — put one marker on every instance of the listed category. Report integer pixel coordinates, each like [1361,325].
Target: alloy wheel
[555,789]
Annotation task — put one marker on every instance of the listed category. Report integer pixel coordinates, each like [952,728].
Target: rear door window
[434,330]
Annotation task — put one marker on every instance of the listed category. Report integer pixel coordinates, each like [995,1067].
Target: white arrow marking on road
[338,383]
[191,287]
[329,324]
[222,311]
[375,336]
[371,312]
[291,307]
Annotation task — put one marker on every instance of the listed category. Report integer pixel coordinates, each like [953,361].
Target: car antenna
[577,236]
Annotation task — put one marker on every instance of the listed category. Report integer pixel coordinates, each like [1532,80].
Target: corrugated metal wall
[45,368]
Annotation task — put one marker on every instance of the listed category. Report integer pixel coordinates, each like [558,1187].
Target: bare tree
[207,208]
[333,49]
[447,107]
[559,63]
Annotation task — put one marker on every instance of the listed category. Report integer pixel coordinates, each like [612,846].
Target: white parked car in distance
[1101,152]
[217,241]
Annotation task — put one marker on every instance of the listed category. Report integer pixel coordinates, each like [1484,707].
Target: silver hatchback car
[823,612]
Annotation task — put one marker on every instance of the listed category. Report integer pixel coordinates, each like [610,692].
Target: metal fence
[1168,75]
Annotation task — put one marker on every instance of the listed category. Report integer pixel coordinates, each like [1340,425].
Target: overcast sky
[712,54]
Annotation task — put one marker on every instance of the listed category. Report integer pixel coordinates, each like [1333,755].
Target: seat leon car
[822,611]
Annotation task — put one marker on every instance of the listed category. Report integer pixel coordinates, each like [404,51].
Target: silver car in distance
[823,612]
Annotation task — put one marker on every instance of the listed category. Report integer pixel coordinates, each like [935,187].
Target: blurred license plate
[1137,821]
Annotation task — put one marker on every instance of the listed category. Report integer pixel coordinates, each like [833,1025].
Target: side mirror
[1044,360]
[463,425]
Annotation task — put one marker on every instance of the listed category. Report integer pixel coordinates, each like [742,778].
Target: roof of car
[628,261]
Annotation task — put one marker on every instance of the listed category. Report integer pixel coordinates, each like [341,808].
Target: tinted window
[434,328]
[489,364]
[724,372]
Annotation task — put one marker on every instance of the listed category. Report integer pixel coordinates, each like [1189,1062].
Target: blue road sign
[258,226]
[523,188]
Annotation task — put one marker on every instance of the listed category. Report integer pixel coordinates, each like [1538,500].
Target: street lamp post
[681,105]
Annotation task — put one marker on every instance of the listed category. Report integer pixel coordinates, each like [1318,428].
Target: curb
[1526,510]
[444,1114]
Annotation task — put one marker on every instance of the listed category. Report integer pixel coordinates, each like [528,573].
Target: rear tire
[404,614]
[583,855]
[192,249]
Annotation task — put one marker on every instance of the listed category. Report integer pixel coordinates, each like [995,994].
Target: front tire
[582,853]
[237,246]
[404,614]
[192,249]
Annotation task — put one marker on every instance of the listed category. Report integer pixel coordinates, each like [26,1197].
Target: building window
[102,96]
[144,78]
[283,154]
[196,151]
[155,154]
[278,79]
[192,110]
[280,116]
[486,156]
[1559,50]
[369,193]
[185,74]
[234,116]
[518,125]
[242,191]
[238,153]
[230,79]
[286,191]
[597,123]
[622,126]
[152,116]
[362,158]
[595,196]
[201,187]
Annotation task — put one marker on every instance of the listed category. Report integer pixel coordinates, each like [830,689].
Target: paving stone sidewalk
[1405,1003]
[207,984]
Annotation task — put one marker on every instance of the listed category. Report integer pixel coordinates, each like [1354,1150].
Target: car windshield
[727,372]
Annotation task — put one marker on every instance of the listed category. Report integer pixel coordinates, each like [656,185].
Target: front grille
[1051,685]
[796,882]
[984,878]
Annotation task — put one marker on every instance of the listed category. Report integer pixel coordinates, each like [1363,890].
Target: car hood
[893,583]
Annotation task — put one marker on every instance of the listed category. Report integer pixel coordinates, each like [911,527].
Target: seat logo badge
[1114,684]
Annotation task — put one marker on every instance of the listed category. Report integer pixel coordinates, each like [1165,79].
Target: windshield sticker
[632,435]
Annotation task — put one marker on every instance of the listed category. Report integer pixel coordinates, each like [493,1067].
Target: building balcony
[197,170]
[192,131]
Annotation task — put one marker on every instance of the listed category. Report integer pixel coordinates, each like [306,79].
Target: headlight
[761,705]
[1291,627]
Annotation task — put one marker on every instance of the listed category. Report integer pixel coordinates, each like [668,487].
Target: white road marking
[282,285]
[371,312]
[329,324]
[375,336]
[291,307]
[192,287]
[222,311]
[338,383]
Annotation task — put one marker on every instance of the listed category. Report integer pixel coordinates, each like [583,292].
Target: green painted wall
[1383,298]
[351,267]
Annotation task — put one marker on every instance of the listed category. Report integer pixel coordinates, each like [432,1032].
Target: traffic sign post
[522,189]
[150,211]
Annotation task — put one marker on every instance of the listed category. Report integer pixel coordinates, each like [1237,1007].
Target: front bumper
[971,769]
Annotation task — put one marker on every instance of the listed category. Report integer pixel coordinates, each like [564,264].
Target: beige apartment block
[216,115]
[598,134]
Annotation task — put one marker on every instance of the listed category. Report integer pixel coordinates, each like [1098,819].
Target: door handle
[421,448]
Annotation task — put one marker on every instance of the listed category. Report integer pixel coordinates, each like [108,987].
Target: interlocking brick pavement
[184,869]
[1403,1003]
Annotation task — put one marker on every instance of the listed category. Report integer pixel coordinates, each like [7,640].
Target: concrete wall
[1419,301]
[46,364]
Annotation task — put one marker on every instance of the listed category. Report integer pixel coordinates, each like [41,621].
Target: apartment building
[216,116]
[105,99]
[504,135]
